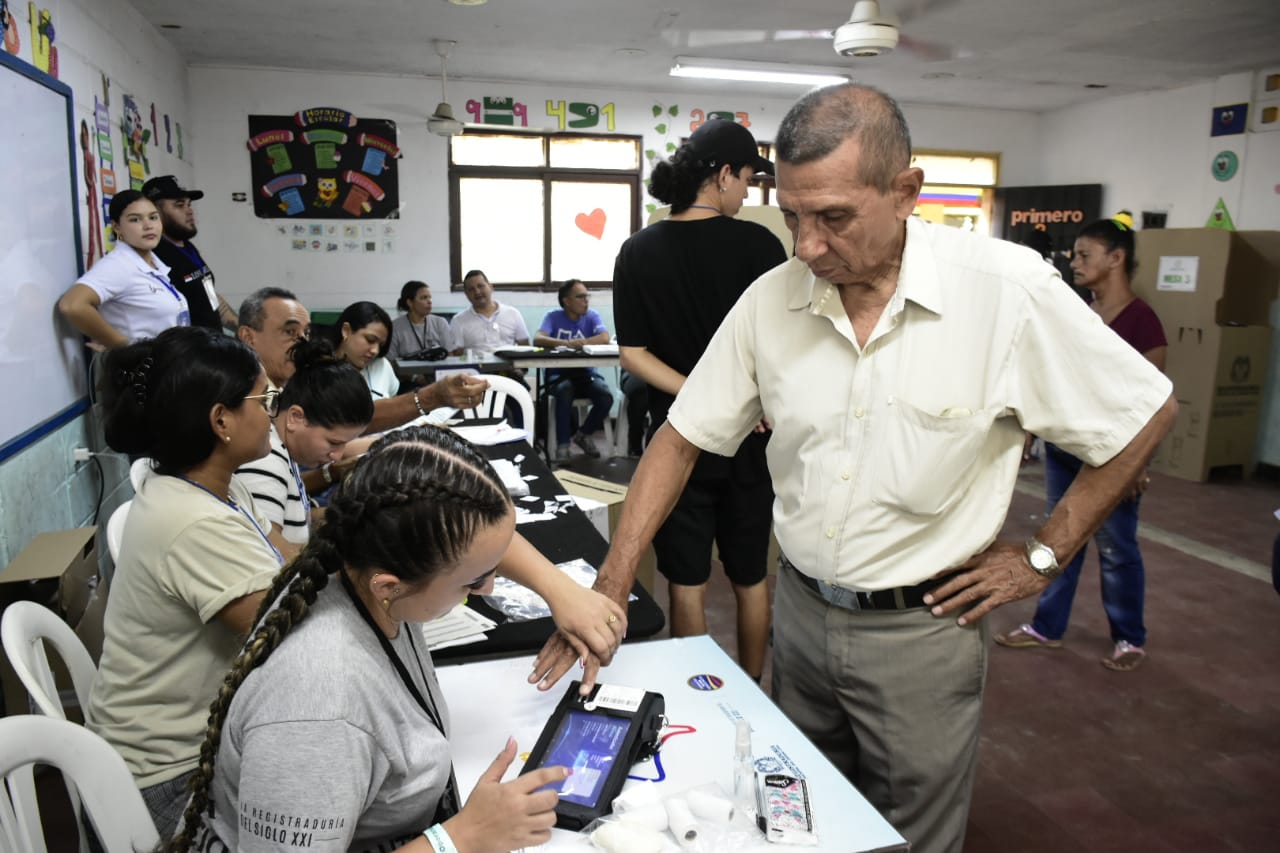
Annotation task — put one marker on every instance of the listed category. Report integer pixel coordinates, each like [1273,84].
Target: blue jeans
[580,383]
[1123,574]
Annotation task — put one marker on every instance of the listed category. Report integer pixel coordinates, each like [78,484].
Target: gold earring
[386,604]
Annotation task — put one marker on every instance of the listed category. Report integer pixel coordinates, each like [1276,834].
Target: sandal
[1124,657]
[1026,637]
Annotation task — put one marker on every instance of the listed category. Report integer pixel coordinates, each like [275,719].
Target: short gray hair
[822,120]
[253,311]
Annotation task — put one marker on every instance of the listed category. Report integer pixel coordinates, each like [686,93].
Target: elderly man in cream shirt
[899,364]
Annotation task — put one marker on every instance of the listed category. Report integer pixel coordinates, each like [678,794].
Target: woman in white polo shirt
[127,295]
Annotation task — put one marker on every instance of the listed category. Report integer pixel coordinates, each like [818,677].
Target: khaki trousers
[893,698]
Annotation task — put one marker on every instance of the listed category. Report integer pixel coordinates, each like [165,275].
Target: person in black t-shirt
[673,283]
[187,270]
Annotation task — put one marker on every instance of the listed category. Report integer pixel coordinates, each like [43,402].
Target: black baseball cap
[166,186]
[718,141]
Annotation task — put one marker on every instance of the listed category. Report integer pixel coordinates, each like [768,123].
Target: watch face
[1039,559]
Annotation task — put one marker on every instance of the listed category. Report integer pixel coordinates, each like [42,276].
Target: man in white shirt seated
[487,325]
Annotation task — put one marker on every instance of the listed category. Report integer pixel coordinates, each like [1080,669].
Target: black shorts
[735,515]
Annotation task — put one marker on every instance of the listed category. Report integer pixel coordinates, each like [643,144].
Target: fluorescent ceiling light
[754,72]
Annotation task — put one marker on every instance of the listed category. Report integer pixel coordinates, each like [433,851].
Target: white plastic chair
[582,405]
[24,629]
[139,471]
[115,529]
[494,403]
[115,807]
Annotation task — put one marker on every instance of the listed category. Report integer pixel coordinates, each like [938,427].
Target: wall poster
[324,163]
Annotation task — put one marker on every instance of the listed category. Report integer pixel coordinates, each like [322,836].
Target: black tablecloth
[569,536]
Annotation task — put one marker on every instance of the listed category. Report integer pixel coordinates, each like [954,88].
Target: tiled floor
[1182,754]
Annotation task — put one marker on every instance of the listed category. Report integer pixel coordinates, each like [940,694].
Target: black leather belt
[898,598]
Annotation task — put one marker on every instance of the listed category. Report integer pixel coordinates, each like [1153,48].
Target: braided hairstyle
[1115,233]
[413,505]
[157,394]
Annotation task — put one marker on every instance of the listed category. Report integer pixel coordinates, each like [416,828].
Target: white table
[489,700]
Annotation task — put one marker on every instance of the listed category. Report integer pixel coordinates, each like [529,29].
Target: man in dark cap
[187,270]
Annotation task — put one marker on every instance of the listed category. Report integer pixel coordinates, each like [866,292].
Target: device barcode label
[616,698]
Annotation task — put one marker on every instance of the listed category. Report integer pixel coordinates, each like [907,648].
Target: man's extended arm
[657,484]
[1001,573]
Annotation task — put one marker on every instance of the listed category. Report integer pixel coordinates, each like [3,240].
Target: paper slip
[499,433]
[600,349]
[460,625]
[510,476]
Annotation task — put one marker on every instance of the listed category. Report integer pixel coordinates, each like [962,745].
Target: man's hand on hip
[987,580]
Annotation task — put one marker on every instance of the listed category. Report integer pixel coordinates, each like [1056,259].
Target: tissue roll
[650,815]
[681,821]
[710,807]
[624,837]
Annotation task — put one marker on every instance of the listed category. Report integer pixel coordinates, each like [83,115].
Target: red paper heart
[591,223]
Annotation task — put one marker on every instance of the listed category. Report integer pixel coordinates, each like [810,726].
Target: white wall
[41,488]
[247,252]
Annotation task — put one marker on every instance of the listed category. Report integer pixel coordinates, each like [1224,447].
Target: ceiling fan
[442,121]
[869,32]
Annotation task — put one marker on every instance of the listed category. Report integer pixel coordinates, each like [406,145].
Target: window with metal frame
[532,209]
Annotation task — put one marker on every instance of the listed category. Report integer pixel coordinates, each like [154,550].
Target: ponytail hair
[1115,233]
[158,392]
[677,181]
[408,293]
[413,505]
[330,390]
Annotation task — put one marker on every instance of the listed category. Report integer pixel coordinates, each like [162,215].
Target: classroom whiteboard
[42,370]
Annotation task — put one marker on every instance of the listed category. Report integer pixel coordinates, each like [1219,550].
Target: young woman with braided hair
[329,733]
[194,559]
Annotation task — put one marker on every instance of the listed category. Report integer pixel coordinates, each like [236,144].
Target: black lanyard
[422,340]
[449,802]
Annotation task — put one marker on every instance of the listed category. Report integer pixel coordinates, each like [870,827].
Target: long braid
[305,577]
[413,504]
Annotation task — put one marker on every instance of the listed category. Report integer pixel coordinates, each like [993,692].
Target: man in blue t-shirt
[575,325]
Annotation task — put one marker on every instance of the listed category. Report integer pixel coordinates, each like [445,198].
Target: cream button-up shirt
[897,460]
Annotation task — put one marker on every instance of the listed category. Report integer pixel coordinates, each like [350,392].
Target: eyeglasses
[270,401]
[579,295]
[479,582]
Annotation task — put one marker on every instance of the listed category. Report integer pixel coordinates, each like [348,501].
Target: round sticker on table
[706,682]
[1225,165]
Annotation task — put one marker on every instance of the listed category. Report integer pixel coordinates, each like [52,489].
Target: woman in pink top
[1103,262]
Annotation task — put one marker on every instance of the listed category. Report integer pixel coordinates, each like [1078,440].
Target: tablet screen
[588,744]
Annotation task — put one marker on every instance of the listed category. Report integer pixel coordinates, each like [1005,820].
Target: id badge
[207,281]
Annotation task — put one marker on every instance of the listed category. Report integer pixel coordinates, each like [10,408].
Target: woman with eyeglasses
[330,732]
[324,406]
[195,557]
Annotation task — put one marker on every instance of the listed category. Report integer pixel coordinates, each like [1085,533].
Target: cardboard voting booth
[1212,290]
[611,495]
[60,571]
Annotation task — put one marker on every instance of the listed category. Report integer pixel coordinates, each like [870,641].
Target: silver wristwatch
[1042,559]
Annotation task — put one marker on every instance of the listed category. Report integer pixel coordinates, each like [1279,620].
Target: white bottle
[744,774]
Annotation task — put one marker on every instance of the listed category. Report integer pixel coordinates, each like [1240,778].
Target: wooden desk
[487,701]
[569,536]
